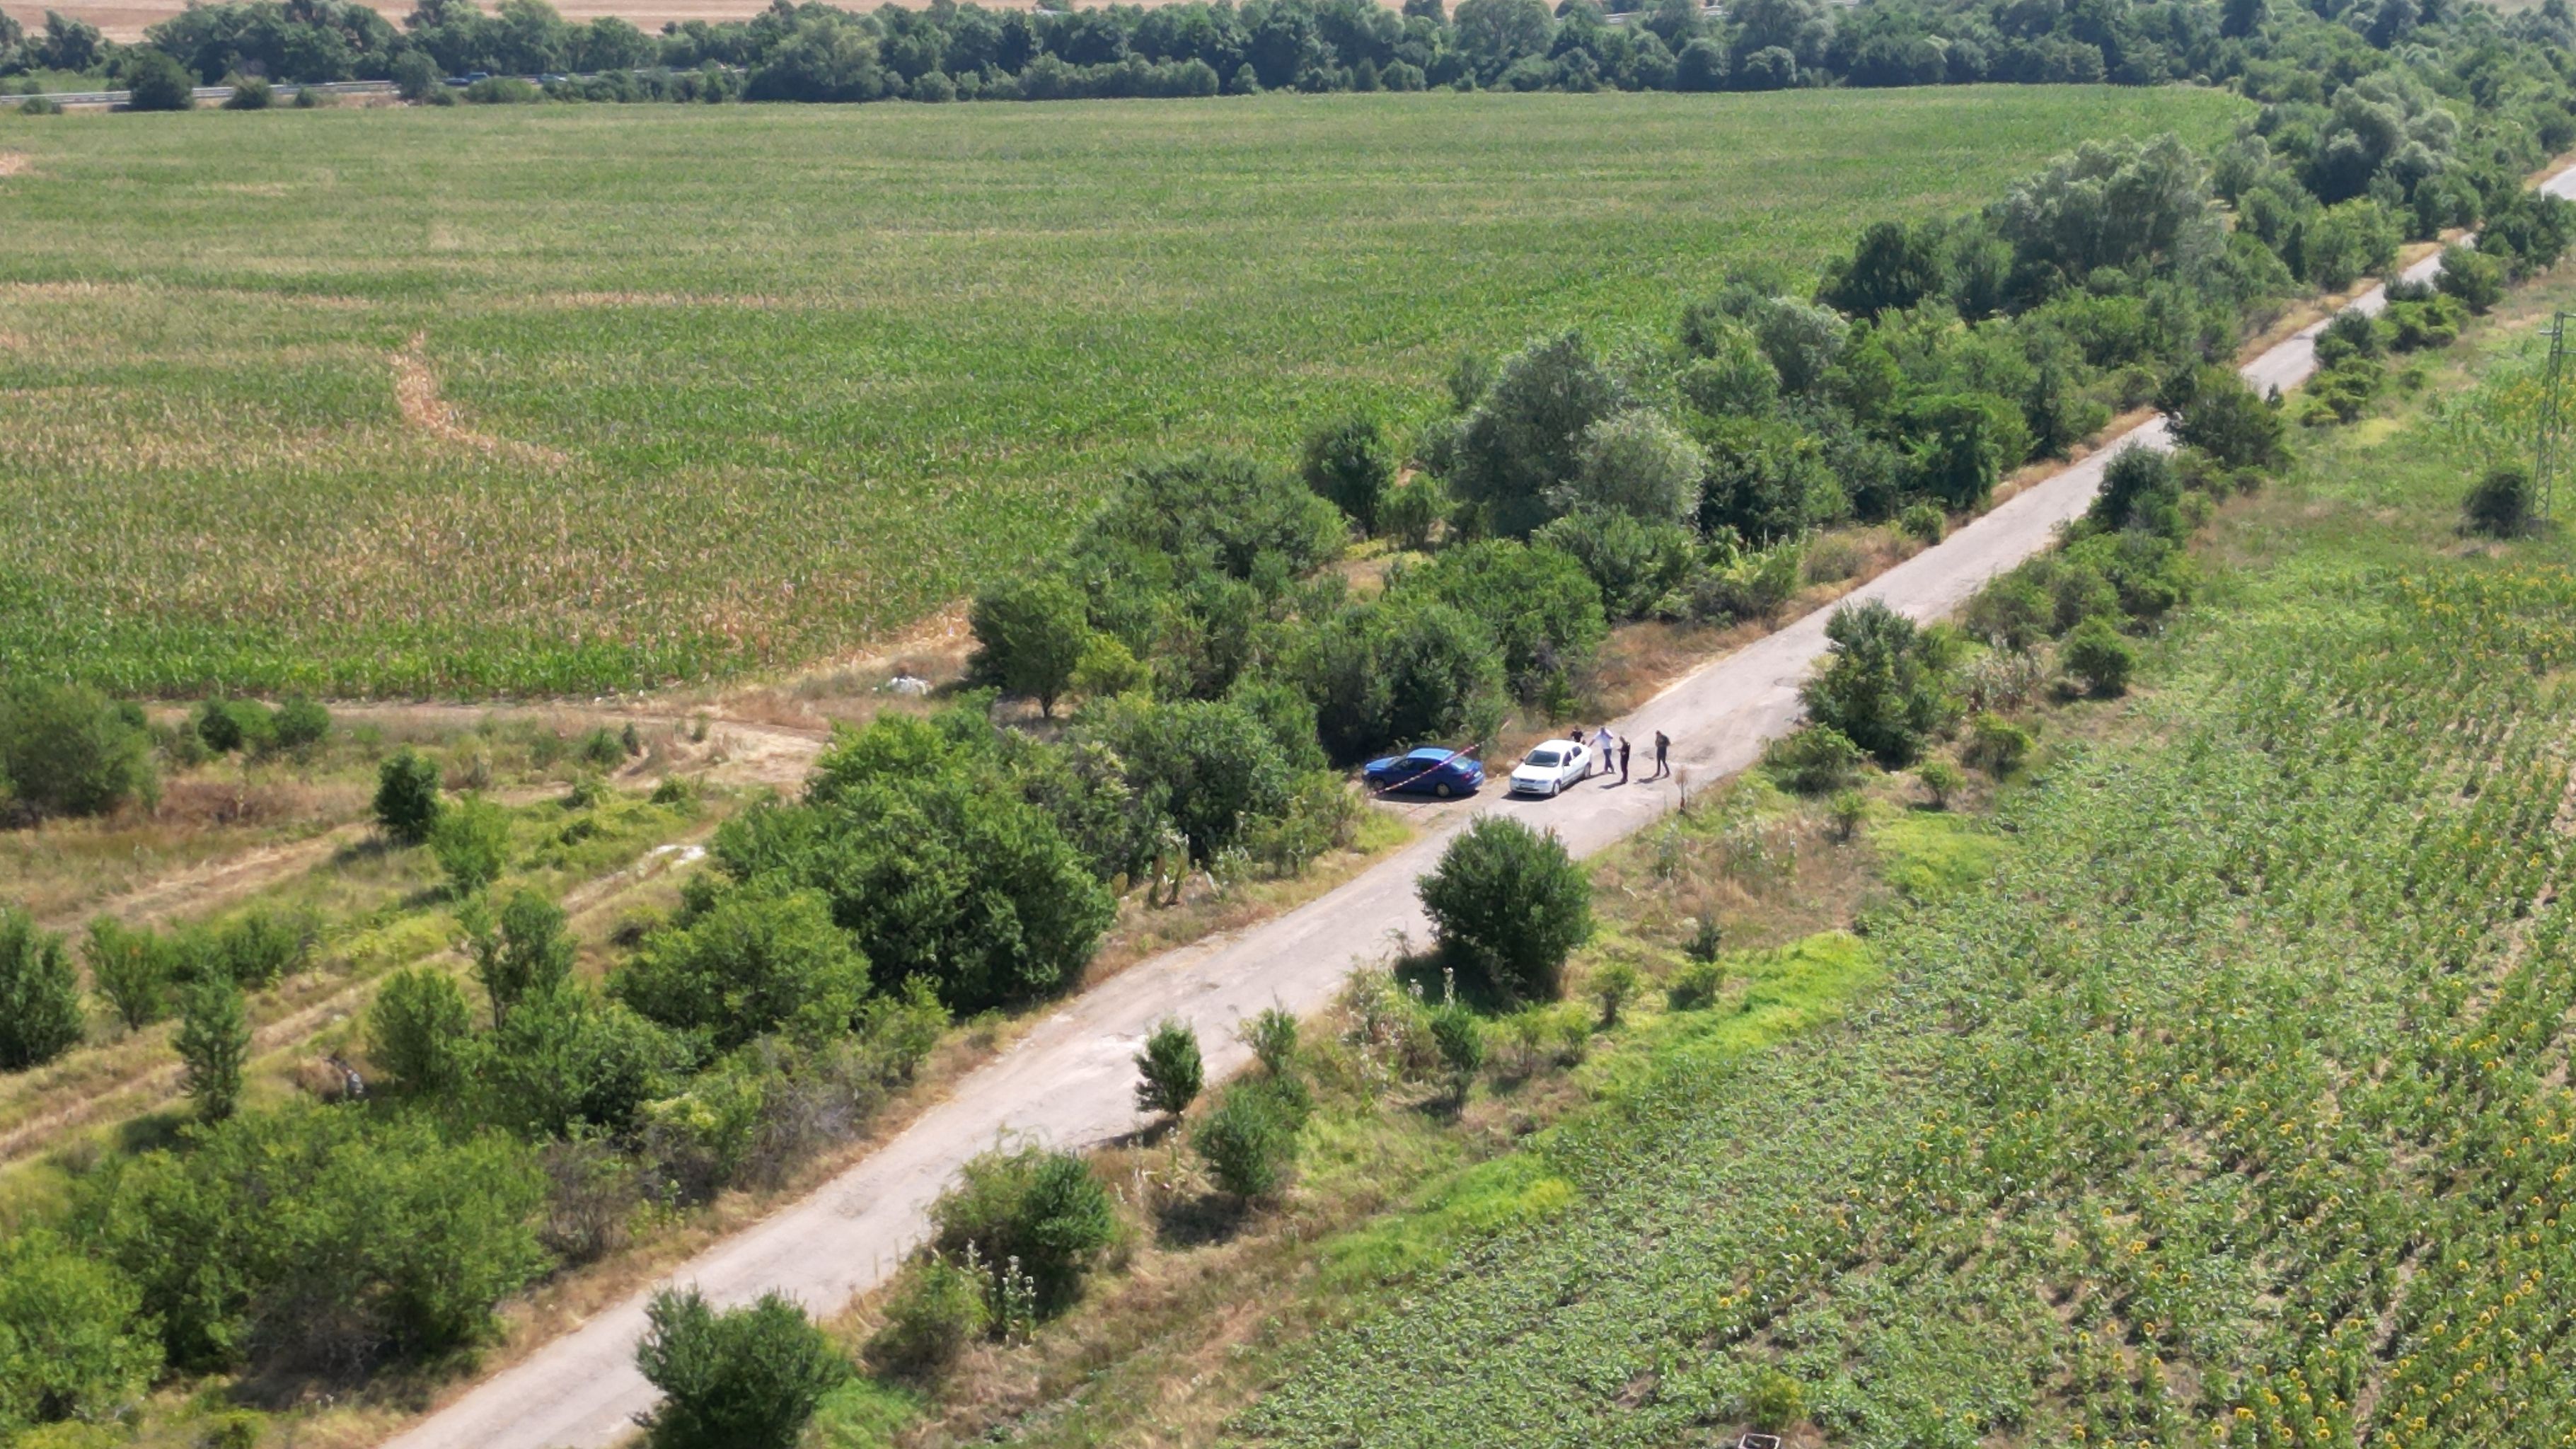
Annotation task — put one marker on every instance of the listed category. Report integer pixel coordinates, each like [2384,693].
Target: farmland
[543,401]
[2231,1109]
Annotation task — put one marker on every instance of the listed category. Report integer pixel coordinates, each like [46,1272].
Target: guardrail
[215,94]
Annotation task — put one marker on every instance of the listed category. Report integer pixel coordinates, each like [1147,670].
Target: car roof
[1544,753]
[1430,752]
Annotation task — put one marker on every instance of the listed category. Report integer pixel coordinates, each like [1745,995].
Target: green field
[2231,1110]
[737,389]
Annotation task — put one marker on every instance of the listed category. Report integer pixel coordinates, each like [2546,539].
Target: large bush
[744,1378]
[40,1013]
[214,1045]
[1508,903]
[1349,461]
[2503,504]
[750,964]
[1528,435]
[73,1344]
[1249,1140]
[407,804]
[320,1237]
[155,82]
[1885,686]
[1030,633]
[67,751]
[1043,1208]
[1538,604]
[420,1032]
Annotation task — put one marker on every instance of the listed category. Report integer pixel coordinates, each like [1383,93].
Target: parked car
[1551,767]
[1429,771]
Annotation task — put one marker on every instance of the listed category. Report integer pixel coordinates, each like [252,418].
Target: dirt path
[416,395]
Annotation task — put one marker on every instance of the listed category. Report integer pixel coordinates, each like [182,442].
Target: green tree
[751,964]
[1509,902]
[1169,1071]
[745,1378]
[1349,462]
[1884,686]
[1030,632]
[1526,436]
[565,1059]
[414,75]
[471,842]
[73,1343]
[155,82]
[937,1308]
[301,723]
[1636,463]
[1892,267]
[2472,276]
[1460,1038]
[1539,605]
[2212,409]
[2098,657]
[214,1044]
[1044,1208]
[407,805]
[420,1031]
[1404,668]
[40,1012]
[1212,766]
[65,750]
[2503,504]
[524,952]
[1963,442]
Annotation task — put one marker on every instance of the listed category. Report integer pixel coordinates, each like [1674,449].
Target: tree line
[2292,54]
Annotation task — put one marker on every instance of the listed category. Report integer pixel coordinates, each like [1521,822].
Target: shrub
[1272,1035]
[1612,986]
[1638,464]
[40,1014]
[2212,409]
[745,1378]
[1776,1402]
[1526,434]
[1348,461]
[315,1234]
[1848,810]
[1410,510]
[73,1343]
[420,1031]
[1041,1209]
[524,953]
[471,842]
[2097,657]
[407,804]
[1169,1070]
[300,723]
[65,750]
[1995,745]
[1885,686]
[132,970]
[1814,760]
[1695,985]
[1509,902]
[2503,504]
[1542,609]
[313,98]
[414,75]
[1249,1141]
[936,1310]
[602,749]
[250,93]
[1030,633]
[1941,780]
[214,1044]
[753,963]
[1460,1038]
[1922,522]
[502,90]
[155,82]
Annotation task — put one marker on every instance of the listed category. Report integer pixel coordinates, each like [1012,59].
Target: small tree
[753,963]
[1348,461]
[2097,657]
[472,843]
[526,953]
[414,75]
[1995,745]
[1460,1039]
[1941,780]
[214,1044]
[65,750]
[1509,902]
[746,1378]
[1169,1069]
[2502,505]
[2474,277]
[40,1014]
[1030,633]
[1885,686]
[155,82]
[1613,986]
[1848,810]
[407,805]
[1814,760]
[300,723]
[420,1031]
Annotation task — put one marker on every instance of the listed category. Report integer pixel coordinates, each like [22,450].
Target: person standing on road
[1624,747]
[1663,746]
[1606,746]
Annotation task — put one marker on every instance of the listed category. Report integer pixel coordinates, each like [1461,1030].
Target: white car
[1548,769]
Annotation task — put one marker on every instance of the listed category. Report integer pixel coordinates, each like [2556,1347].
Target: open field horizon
[564,400]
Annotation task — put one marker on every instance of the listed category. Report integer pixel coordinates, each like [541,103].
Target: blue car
[1426,771]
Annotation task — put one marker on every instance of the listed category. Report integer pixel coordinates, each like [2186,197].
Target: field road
[1068,1081]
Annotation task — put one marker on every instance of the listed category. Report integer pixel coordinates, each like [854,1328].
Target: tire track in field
[416,396]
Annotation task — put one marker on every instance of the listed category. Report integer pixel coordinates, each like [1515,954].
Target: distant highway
[205,94]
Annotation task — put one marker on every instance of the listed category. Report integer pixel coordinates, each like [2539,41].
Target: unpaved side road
[1070,1080]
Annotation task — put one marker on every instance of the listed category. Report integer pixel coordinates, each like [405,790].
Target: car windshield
[1544,758]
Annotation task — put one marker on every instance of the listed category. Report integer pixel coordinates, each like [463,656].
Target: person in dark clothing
[1624,748]
[1663,746]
